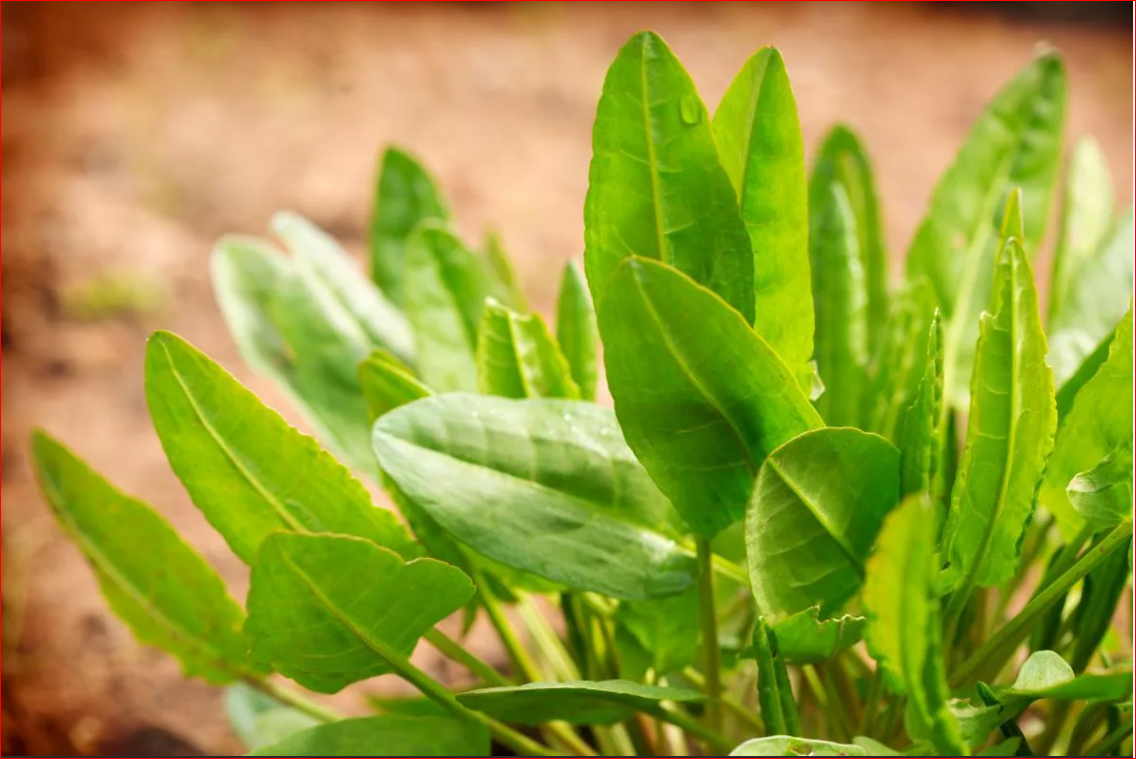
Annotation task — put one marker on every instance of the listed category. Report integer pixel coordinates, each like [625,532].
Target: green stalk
[997,649]
[522,663]
[714,739]
[547,641]
[294,699]
[453,650]
[709,620]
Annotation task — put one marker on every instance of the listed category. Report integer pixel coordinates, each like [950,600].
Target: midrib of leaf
[845,549]
[652,159]
[522,370]
[278,507]
[751,118]
[678,357]
[106,567]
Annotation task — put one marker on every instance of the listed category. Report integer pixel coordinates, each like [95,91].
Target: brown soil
[135,136]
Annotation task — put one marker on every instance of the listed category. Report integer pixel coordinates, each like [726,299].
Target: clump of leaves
[810,525]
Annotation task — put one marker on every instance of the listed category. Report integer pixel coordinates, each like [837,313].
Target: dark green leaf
[804,638]
[656,188]
[701,398]
[517,357]
[817,506]
[545,486]
[166,593]
[405,196]
[330,610]
[665,628]
[1103,495]
[576,330]
[259,720]
[759,141]
[386,735]
[580,703]
[1100,599]
[780,745]
[388,384]
[248,471]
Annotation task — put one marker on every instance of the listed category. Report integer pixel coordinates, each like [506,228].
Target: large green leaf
[1100,420]
[517,357]
[901,603]
[841,309]
[656,188]
[159,586]
[444,288]
[817,506]
[330,610]
[899,363]
[386,735]
[293,331]
[576,330]
[405,196]
[1086,215]
[921,436]
[843,159]
[783,745]
[545,486]
[759,142]
[247,469]
[701,398]
[581,703]
[1103,495]
[388,384]
[1095,296]
[1009,431]
[1015,143]
[320,258]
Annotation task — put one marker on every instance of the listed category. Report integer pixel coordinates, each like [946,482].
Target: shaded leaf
[665,628]
[781,745]
[701,398]
[517,357]
[656,188]
[386,735]
[1103,495]
[921,436]
[576,330]
[580,703]
[1100,599]
[804,638]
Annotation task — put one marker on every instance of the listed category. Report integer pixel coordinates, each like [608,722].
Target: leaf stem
[294,699]
[998,648]
[709,620]
[451,649]
[523,665]
[547,641]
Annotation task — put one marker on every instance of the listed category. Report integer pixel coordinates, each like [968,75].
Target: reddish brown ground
[134,136]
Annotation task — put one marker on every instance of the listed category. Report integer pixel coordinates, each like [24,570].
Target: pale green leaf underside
[581,703]
[387,735]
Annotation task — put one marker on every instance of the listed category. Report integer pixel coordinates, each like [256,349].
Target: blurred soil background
[134,136]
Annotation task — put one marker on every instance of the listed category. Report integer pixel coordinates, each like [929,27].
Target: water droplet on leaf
[690,109]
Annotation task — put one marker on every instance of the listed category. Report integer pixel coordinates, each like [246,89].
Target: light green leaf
[1085,372]
[921,436]
[405,196]
[759,142]
[517,357]
[656,188]
[1100,420]
[576,330]
[1095,296]
[1009,431]
[505,286]
[444,287]
[817,506]
[545,486]
[1103,495]
[259,720]
[166,594]
[701,398]
[1015,143]
[248,471]
[320,258]
[386,735]
[580,703]
[804,638]
[783,745]
[330,610]
[843,159]
[666,629]
[388,384]
[841,296]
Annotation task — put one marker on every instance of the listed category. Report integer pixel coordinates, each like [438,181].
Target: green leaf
[388,384]
[1015,143]
[330,610]
[1103,495]
[921,436]
[505,286]
[843,159]
[656,188]
[1100,420]
[1085,372]
[294,332]
[1100,598]
[701,398]
[817,506]
[1009,431]
[405,196]
[665,628]
[545,486]
[874,747]
[899,364]
[841,308]
[774,693]
[759,142]
[580,703]
[576,330]
[517,357]
[781,745]
[166,594]
[1046,675]
[248,471]
[804,638]
[901,603]
[1086,216]
[445,287]
[386,735]
[259,720]
[320,258]
[1095,296]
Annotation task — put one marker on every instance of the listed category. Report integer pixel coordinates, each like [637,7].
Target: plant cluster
[807,527]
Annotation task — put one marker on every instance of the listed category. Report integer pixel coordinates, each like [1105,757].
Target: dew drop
[690,109]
